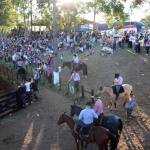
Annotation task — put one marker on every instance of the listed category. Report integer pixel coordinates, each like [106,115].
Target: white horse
[109,91]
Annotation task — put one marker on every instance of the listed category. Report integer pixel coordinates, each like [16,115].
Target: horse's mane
[76,106]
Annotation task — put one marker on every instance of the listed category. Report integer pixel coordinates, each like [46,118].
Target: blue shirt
[130,102]
[87,115]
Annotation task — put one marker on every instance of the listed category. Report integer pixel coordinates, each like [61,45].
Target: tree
[146,21]
[113,11]
[8,15]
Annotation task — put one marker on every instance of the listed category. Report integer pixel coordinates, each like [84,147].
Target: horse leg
[86,145]
[111,104]
[115,105]
[82,144]
[77,143]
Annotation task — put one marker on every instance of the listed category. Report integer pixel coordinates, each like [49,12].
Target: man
[28,92]
[98,107]
[76,77]
[86,118]
[35,90]
[118,81]
[36,76]
[75,61]
[22,90]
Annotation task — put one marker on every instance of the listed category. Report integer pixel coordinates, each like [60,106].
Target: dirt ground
[35,128]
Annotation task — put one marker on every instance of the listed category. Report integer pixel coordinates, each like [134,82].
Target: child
[130,106]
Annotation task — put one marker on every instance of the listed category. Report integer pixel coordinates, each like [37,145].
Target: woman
[147,47]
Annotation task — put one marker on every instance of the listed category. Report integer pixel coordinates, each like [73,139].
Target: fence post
[17,79]
[92,94]
[60,83]
[7,74]
[12,75]
[3,71]
[82,91]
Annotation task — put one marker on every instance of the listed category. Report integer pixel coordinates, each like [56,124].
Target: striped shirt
[98,107]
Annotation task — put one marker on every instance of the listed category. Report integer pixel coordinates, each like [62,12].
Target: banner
[71,88]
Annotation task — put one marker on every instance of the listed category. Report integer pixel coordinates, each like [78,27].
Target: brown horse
[99,135]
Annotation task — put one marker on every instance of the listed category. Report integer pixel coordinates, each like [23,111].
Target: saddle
[84,131]
[120,91]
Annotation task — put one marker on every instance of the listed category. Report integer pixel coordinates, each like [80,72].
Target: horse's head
[63,64]
[61,119]
[101,90]
[75,110]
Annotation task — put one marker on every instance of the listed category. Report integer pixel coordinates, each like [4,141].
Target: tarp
[83,30]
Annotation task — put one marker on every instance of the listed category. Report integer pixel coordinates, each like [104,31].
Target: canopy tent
[83,30]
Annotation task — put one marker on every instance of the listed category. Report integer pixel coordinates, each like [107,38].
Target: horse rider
[85,120]
[75,61]
[118,81]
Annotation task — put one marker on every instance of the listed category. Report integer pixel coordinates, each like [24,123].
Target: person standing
[35,90]
[22,90]
[36,76]
[28,91]
[98,107]
[118,81]
[130,107]
[76,77]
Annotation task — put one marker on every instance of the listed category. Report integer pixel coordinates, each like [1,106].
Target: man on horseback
[85,120]
[75,63]
[118,81]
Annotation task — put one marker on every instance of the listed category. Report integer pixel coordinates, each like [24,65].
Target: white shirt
[76,60]
[14,57]
[75,76]
[27,84]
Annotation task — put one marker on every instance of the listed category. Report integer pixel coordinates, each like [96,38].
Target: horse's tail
[120,126]
[113,141]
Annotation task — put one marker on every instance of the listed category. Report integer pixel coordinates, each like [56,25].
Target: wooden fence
[11,75]
[8,103]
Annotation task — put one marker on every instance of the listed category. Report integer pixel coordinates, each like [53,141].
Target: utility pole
[56,73]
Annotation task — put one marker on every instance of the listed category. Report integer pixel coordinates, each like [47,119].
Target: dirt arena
[35,128]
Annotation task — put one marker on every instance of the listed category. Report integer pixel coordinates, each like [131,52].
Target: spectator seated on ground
[104,49]
[89,52]
[110,50]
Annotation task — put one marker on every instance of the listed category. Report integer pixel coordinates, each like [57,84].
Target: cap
[89,103]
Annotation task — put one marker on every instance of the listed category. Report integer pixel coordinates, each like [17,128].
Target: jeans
[23,99]
[79,122]
[76,85]
[129,113]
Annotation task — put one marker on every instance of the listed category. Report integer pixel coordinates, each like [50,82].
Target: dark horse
[109,121]
[21,72]
[99,135]
[82,67]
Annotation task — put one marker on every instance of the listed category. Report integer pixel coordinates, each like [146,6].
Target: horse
[81,66]
[99,135]
[109,121]
[109,91]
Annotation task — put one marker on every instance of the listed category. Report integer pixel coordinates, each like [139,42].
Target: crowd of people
[27,91]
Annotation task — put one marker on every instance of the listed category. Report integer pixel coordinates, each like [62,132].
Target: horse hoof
[85,77]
